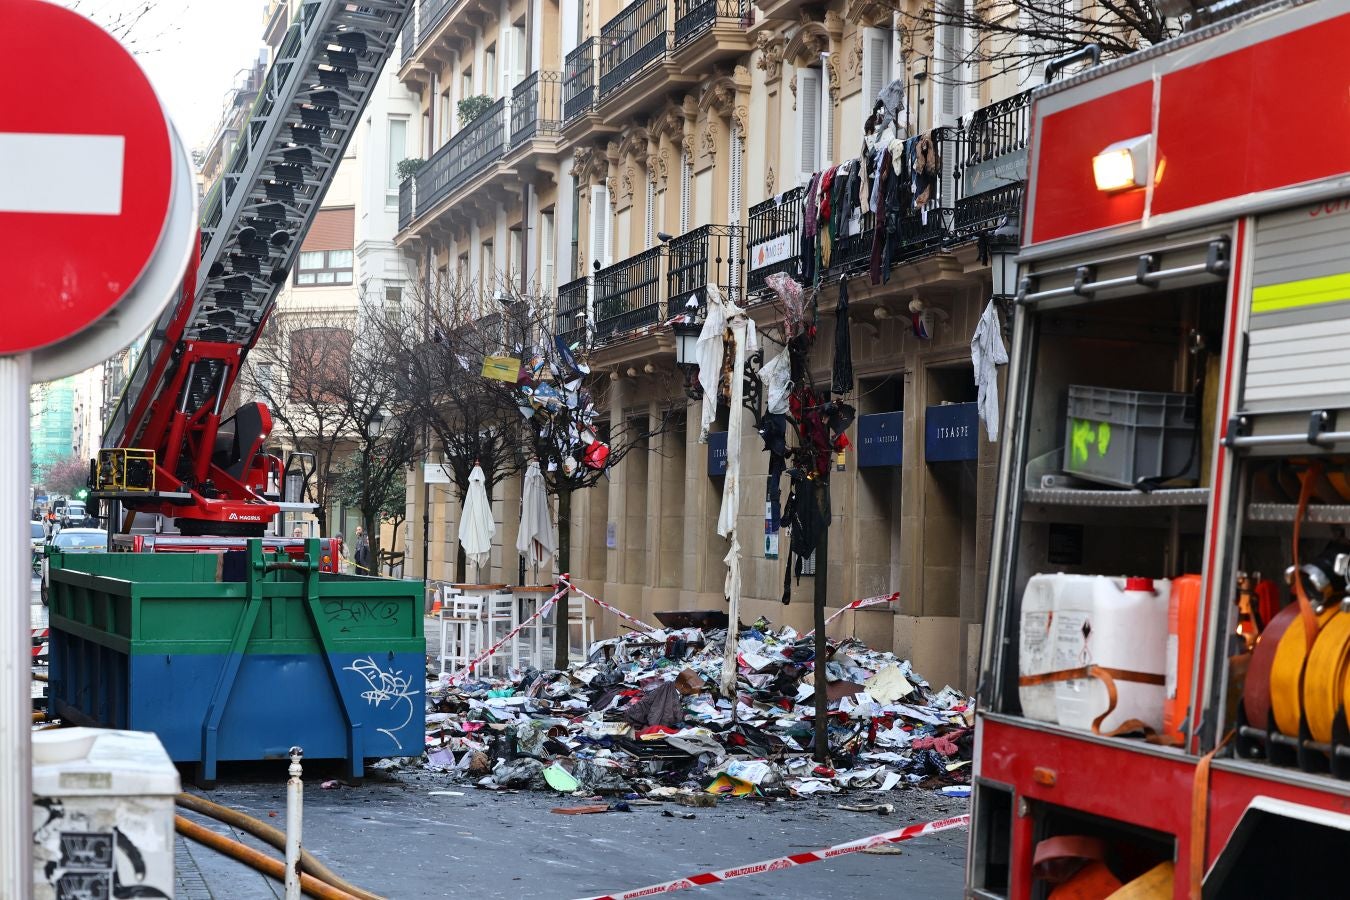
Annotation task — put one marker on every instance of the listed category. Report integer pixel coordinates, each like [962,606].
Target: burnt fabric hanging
[806,519]
[842,371]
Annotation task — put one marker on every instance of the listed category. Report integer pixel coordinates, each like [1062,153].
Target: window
[487,267]
[490,72]
[519,53]
[466,83]
[547,238]
[447,120]
[320,361]
[319,267]
[398,151]
[956,76]
[515,251]
[462,270]
[877,65]
[601,232]
[393,304]
[427,148]
[808,123]
[262,375]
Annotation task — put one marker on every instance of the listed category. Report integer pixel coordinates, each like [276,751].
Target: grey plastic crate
[1118,437]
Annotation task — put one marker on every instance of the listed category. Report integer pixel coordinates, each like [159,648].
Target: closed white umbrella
[535,540]
[475,524]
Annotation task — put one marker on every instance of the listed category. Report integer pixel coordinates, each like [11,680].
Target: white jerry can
[103,807]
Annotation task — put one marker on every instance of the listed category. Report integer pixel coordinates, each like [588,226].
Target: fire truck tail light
[1123,165]
[1043,776]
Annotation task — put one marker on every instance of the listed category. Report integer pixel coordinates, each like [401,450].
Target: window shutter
[601,245]
[808,123]
[972,43]
[876,65]
[686,188]
[651,211]
[333,229]
[547,253]
[827,142]
[949,37]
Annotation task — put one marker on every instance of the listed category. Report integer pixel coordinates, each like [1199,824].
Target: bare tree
[977,41]
[133,22]
[439,339]
[301,368]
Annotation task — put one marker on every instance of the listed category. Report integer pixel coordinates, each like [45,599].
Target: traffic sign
[88,162]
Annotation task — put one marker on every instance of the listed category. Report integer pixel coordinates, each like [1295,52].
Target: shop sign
[1010,168]
[951,432]
[774,250]
[879,439]
[717,453]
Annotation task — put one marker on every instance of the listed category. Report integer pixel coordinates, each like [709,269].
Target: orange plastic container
[1183,614]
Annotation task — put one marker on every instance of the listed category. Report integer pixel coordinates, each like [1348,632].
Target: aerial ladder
[167,449]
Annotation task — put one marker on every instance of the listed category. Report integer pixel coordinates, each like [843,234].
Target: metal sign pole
[16,703]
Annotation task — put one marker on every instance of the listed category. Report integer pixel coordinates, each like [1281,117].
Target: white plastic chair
[461,630]
[500,609]
[585,625]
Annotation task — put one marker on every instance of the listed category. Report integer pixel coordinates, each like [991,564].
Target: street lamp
[1004,242]
[375,425]
[686,356]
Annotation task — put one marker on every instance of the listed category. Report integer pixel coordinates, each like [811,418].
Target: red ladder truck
[1166,651]
[169,451]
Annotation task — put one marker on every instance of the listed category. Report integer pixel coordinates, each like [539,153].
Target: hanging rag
[927,167]
[987,353]
[881,227]
[709,353]
[789,293]
[842,370]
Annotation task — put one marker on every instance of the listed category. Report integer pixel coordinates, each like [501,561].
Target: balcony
[572,297]
[628,294]
[631,41]
[536,107]
[473,149]
[775,238]
[994,164]
[712,254]
[579,80]
[710,31]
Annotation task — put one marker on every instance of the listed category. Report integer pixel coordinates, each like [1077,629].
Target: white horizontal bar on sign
[66,174]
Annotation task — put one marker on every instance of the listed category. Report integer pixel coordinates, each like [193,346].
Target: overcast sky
[192,50]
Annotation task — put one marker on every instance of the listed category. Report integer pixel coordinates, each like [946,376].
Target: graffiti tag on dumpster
[386,687]
[354,612]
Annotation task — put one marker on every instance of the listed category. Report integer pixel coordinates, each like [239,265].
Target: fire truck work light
[1122,165]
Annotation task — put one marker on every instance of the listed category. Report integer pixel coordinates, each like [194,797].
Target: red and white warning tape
[543,610]
[858,604]
[40,650]
[785,862]
[41,634]
[603,605]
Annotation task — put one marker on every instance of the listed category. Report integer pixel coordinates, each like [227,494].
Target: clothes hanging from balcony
[841,370]
[826,232]
[927,167]
[807,250]
[882,221]
[987,353]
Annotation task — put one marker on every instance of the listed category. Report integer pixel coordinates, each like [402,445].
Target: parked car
[37,537]
[73,540]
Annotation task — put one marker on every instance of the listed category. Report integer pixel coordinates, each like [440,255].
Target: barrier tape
[858,604]
[603,605]
[473,663]
[797,859]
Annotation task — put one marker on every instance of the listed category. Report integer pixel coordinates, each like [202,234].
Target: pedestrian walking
[362,552]
[342,552]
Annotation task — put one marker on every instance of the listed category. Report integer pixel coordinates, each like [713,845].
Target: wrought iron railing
[634,39]
[774,238]
[712,254]
[406,201]
[430,14]
[536,107]
[928,224]
[570,318]
[994,164]
[579,80]
[693,17]
[473,149]
[628,294]
[408,36]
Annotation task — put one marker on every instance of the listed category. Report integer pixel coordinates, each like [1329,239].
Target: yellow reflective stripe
[1306,292]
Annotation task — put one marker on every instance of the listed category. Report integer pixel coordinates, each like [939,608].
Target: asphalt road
[394,837]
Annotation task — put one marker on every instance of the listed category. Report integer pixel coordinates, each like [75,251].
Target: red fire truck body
[1218,269]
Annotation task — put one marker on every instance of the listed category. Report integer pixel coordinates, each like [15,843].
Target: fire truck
[1165,672]
[172,457]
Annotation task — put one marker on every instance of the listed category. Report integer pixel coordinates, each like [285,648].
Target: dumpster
[239,655]
[102,814]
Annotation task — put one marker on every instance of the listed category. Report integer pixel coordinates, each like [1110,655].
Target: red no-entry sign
[86,174]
